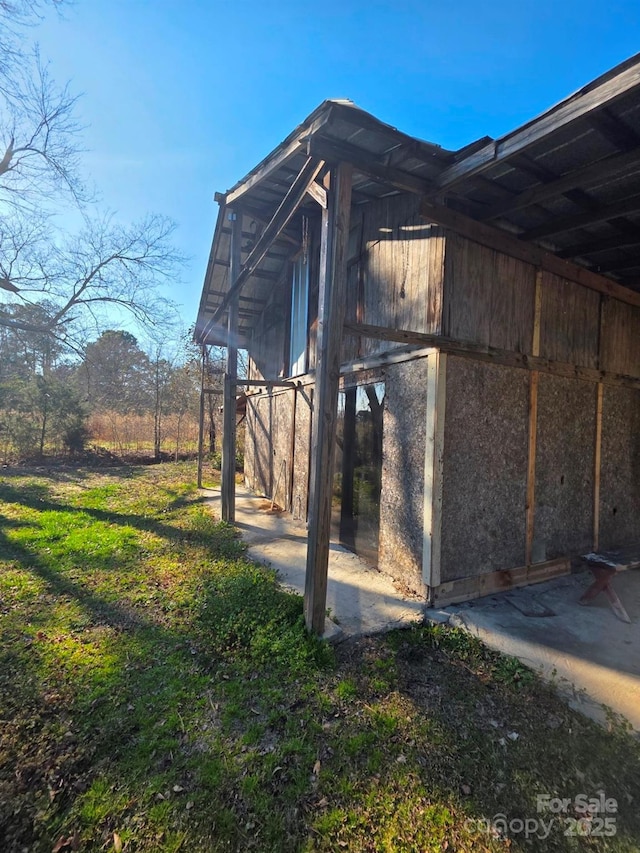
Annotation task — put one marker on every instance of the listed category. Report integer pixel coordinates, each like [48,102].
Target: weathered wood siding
[620,337]
[268,445]
[569,323]
[488,297]
[396,268]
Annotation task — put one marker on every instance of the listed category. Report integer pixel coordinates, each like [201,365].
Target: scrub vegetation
[158,692]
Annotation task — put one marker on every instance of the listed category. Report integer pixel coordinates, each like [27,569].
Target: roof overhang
[567,182]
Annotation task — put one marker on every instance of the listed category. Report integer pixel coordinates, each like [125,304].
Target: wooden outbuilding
[444,346]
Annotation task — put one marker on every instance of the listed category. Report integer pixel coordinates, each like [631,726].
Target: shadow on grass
[227,730]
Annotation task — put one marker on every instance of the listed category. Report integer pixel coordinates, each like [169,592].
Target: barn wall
[395,275]
[401,499]
[485,468]
[488,297]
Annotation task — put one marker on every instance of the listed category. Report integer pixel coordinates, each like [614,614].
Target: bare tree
[39,133]
[107,267]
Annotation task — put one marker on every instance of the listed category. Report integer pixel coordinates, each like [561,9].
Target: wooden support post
[231,374]
[201,419]
[596,468]
[533,424]
[331,307]
[292,447]
[433,469]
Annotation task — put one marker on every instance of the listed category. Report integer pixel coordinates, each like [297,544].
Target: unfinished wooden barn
[444,345]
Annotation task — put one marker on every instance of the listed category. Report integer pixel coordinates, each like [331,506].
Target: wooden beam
[203,353]
[494,238]
[466,589]
[433,469]
[331,307]
[278,158]
[278,223]
[597,95]
[597,457]
[493,355]
[602,213]
[534,378]
[265,383]
[317,193]
[591,174]
[368,164]
[228,473]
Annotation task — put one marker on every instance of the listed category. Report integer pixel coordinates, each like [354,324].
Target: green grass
[158,692]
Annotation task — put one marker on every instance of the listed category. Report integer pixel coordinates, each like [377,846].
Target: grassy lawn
[158,693]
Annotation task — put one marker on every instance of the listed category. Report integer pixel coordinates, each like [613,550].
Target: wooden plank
[274,228]
[594,172]
[368,164]
[433,468]
[510,245]
[331,306]
[228,473]
[264,383]
[201,414]
[530,507]
[596,95]
[317,193]
[597,464]
[493,355]
[489,583]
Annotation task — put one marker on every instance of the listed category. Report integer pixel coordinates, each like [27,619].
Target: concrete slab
[360,599]
[592,656]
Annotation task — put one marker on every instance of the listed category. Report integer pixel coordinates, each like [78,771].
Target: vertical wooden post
[201,421]
[331,308]
[231,374]
[433,469]
[596,470]
[533,425]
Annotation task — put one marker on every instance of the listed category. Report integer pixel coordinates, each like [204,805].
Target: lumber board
[533,423]
[597,466]
[228,472]
[434,468]
[331,308]
[494,355]
[490,583]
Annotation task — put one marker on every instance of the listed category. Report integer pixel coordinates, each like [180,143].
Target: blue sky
[181,99]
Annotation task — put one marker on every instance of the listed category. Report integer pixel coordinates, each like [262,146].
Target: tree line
[114,393]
